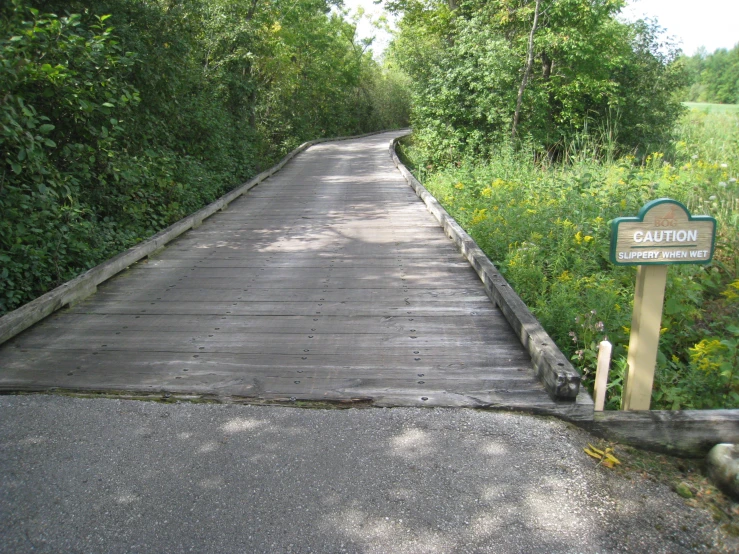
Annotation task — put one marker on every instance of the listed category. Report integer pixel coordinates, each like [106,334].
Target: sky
[710,23]
[695,23]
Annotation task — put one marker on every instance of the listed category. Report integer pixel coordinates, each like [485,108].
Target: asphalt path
[111,475]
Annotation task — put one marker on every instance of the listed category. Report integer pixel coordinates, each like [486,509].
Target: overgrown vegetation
[117,118]
[545,226]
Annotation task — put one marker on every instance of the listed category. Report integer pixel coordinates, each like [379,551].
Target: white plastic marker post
[664,233]
[601,374]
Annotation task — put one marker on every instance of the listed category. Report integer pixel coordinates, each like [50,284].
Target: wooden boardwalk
[330,281]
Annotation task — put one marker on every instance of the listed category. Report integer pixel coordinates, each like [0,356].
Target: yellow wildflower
[479,216]
[707,354]
[732,291]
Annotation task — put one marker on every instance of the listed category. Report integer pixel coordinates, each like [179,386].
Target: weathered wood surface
[328,281]
[86,284]
[687,433]
[552,367]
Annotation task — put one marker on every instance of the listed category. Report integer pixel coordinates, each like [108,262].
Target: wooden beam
[686,433]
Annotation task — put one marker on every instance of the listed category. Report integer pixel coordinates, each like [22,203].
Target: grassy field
[546,228]
[712,108]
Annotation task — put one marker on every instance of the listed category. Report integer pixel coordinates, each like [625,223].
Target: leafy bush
[65,95]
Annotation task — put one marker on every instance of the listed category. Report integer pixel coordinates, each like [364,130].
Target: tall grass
[545,226]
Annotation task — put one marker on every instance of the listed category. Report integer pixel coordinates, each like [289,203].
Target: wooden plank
[354,346]
[440,274]
[96,370]
[391,296]
[253,227]
[280,308]
[317,262]
[446,325]
[392,393]
[327,281]
[317,245]
[313,263]
[687,433]
[236,253]
[202,291]
[407,226]
[156,365]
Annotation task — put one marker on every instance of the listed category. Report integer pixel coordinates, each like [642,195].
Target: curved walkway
[328,282]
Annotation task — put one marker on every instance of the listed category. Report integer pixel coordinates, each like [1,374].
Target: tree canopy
[714,77]
[477,66]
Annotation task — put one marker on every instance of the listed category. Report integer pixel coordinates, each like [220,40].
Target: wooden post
[644,340]
[601,374]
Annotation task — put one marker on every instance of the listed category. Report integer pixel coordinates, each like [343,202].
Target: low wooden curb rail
[687,433]
[561,380]
[86,284]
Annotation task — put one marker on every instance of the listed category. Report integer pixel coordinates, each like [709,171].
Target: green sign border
[640,219]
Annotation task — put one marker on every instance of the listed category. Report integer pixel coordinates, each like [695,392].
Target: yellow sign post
[664,233]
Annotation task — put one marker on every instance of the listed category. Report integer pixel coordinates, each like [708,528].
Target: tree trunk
[527,70]
[252,9]
[546,66]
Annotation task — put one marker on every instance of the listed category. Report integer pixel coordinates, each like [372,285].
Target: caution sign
[663,233]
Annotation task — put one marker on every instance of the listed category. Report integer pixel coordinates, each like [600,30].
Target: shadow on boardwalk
[328,282]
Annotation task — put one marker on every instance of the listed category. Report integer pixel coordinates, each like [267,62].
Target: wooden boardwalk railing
[330,281]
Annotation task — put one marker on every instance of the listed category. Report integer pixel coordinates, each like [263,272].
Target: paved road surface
[81,475]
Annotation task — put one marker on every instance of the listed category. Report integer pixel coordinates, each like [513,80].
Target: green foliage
[713,77]
[545,226]
[591,71]
[65,97]
[119,117]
